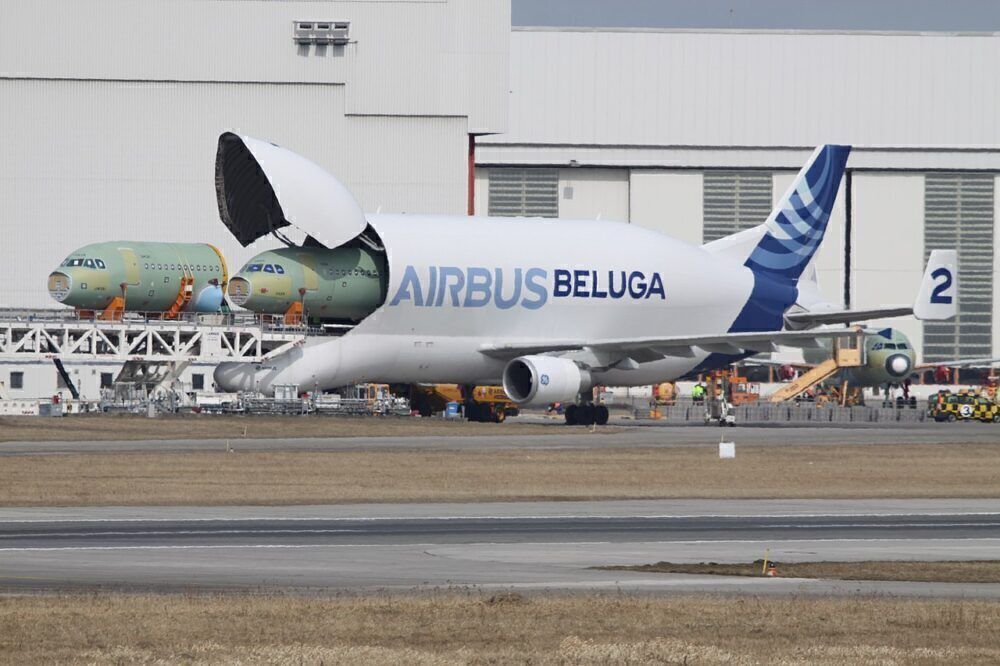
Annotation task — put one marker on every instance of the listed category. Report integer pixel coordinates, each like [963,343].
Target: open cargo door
[261,187]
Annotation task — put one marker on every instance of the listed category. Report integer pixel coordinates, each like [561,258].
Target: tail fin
[938,297]
[783,245]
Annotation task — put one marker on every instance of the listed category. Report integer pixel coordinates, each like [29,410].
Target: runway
[531,546]
[561,437]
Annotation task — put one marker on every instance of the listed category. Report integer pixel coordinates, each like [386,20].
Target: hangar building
[112,110]
[697,132]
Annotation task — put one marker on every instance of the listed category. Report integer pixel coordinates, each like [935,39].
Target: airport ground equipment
[132,276]
[964,405]
[485,403]
[725,390]
[849,355]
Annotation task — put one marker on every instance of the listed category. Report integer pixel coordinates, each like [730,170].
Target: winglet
[938,297]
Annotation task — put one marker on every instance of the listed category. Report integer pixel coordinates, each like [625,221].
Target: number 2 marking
[937,295]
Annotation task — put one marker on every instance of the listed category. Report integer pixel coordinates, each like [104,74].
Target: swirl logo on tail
[796,227]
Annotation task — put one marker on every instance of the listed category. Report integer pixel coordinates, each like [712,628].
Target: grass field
[981,571]
[472,628]
[190,426]
[263,478]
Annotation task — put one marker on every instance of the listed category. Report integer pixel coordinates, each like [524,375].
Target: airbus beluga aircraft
[549,308]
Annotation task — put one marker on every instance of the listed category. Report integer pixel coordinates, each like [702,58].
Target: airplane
[548,308]
[118,276]
[889,359]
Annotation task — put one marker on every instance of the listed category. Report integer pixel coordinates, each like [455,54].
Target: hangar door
[524,192]
[958,215]
[734,201]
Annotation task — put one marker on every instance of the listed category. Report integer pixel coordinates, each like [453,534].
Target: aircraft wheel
[601,415]
[996,418]
[474,412]
[424,409]
[585,415]
[951,418]
[571,413]
[499,416]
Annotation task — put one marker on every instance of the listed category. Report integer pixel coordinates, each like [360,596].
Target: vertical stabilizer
[783,245]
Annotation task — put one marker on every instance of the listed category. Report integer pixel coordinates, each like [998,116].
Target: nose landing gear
[586,414]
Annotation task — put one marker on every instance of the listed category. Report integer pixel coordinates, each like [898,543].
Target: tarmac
[531,546]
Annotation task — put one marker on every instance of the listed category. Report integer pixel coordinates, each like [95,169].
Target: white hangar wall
[112,110]
[682,125]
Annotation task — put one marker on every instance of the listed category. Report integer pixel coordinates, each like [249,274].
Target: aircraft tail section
[786,242]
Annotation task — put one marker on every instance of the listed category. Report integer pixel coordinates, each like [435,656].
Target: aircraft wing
[983,362]
[646,349]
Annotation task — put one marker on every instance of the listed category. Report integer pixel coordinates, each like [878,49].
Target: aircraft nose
[60,285]
[898,365]
[239,290]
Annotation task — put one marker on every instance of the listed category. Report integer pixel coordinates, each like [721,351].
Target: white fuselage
[457,284]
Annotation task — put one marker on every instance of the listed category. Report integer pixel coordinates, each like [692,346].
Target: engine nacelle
[533,381]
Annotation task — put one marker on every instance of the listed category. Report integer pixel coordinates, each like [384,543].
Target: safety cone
[771,571]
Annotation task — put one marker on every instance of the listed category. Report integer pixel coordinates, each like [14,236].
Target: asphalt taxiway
[532,546]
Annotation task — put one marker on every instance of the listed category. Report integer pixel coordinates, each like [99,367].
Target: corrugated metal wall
[112,108]
[768,89]
[410,57]
[91,161]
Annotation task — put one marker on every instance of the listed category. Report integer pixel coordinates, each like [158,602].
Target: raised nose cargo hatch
[262,187]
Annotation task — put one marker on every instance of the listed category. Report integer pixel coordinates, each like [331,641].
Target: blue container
[451,410]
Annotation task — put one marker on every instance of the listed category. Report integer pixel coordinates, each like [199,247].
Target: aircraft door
[131,266]
[310,280]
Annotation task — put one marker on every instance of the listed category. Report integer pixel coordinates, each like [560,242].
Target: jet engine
[533,381]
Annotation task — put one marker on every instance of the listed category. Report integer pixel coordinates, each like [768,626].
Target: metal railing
[144,336]
[264,322]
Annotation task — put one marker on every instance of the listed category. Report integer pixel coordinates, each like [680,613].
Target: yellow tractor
[486,403]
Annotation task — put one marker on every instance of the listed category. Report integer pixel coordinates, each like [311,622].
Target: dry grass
[462,629]
[263,478]
[977,571]
[192,426]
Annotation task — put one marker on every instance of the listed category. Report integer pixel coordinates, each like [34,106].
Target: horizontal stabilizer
[846,316]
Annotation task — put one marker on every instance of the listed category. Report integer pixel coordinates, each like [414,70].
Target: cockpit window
[279,269]
[74,262]
[100,264]
[254,268]
[903,345]
[890,345]
[268,268]
[88,263]
[876,346]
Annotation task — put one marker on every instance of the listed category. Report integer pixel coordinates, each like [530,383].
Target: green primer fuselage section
[147,274]
[342,284]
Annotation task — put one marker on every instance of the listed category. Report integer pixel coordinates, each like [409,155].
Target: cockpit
[889,345]
[265,268]
[97,264]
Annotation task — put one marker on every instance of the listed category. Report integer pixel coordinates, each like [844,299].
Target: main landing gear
[586,414]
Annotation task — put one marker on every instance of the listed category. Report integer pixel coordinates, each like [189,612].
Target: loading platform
[150,337]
